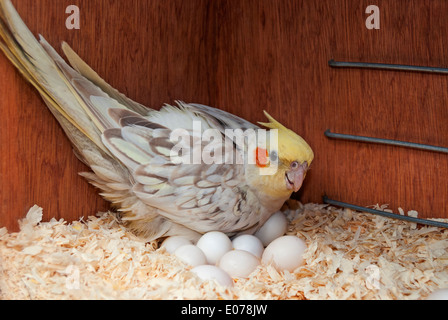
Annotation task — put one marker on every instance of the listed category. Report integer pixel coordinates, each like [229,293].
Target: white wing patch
[182,193]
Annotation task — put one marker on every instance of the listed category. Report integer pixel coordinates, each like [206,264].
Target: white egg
[275,227]
[191,255]
[208,272]
[285,253]
[172,243]
[214,245]
[249,243]
[441,294]
[239,263]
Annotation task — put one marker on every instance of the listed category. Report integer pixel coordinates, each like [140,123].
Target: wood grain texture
[245,57]
[274,56]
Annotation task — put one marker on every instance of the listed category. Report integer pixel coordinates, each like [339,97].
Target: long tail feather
[22,48]
[84,69]
[76,102]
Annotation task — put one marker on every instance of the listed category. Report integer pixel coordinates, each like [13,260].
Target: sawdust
[350,255]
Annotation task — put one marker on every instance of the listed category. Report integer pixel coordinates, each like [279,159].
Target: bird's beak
[294,177]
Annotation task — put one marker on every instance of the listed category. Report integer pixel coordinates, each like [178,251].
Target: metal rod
[384,66]
[385,214]
[398,143]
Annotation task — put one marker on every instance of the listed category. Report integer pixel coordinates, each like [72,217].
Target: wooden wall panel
[245,57]
[274,55]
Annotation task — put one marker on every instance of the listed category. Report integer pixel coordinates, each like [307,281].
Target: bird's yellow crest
[292,147]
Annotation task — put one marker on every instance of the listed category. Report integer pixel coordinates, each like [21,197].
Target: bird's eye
[294,165]
[273,156]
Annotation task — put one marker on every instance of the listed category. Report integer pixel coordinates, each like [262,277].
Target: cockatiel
[129,148]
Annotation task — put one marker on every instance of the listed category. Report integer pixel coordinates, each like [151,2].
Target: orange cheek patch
[262,157]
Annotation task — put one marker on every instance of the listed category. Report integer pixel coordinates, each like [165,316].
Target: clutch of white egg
[216,257]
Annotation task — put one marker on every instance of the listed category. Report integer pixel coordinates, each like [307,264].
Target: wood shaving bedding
[350,255]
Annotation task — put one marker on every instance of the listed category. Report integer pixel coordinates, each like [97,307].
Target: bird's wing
[212,192]
[213,118]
